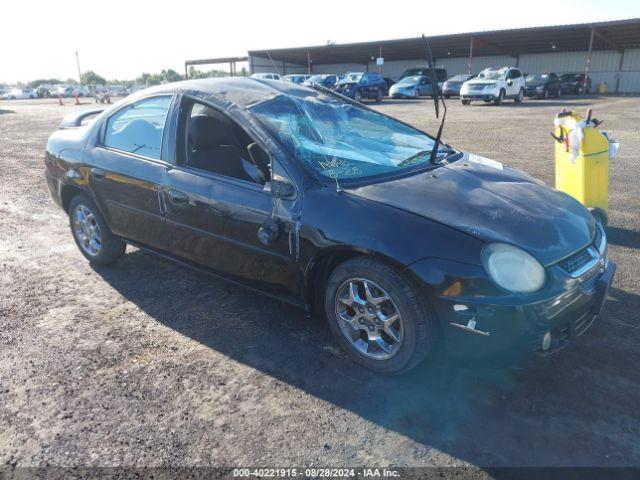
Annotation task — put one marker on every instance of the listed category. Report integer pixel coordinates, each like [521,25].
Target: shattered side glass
[340,140]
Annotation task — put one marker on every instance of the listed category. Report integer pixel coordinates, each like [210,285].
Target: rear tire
[361,330]
[520,97]
[465,102]
[378,96]
[92,234]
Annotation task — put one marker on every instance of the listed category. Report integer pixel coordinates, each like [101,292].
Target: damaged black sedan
[317,200]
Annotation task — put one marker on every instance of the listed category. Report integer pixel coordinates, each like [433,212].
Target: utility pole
[78,64]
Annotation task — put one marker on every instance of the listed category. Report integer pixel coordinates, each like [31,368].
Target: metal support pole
[619,76]
[284,68]
[186,71]
[587,68]
[380,56]
[78,64]
[308,62]
[470,56]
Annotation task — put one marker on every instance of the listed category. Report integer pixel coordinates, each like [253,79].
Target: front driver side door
[214,219]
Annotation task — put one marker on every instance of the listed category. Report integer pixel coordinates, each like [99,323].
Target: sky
[121,39]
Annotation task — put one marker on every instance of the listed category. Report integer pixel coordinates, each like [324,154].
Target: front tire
[379,316]
[357,97]
[92,234]
[378,96]
[465,102]
[498,101]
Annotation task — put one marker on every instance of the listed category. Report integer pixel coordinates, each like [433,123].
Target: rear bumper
[513,335]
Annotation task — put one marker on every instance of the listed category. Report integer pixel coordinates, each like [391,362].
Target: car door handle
[98,174]
[178,198]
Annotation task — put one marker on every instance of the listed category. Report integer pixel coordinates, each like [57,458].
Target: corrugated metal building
[608,51]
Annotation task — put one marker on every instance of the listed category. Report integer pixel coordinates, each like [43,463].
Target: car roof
[243,91]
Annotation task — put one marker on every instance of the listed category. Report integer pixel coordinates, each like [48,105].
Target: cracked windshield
[342,141]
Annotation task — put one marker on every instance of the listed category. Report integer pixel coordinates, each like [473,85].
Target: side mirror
[280,188]
[509,82]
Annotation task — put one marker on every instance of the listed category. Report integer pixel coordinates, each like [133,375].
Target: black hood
[492,205]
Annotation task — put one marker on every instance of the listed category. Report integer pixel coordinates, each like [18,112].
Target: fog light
[546,341]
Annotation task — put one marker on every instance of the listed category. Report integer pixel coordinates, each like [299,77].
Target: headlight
[512,268]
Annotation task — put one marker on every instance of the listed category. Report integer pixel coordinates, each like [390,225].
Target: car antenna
[436,98]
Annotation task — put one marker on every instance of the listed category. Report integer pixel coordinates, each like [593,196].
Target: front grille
[582,261]
[578,261]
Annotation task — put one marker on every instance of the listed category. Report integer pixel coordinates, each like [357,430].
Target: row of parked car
[66,91]
[491,85]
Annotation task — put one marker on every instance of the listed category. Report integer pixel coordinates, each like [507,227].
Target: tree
[170,76]
[92,78]
[44,81]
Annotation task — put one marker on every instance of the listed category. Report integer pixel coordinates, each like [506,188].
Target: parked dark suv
[362,85]
[573,83]
[542,85]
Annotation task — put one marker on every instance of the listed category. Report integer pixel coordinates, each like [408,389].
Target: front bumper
[533,93]
[402,94]
[480,95]
[490,334]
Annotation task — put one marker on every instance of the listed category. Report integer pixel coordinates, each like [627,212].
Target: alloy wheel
[87,231]
[368,318]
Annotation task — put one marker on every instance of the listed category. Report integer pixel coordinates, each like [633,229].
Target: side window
[365,78]
[515,74]
[553,77]
[215,143]
[138,127]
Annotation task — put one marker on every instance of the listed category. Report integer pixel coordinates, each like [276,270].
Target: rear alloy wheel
[379,316]
[500,98]
[91,233]
[546,94]
[520,97]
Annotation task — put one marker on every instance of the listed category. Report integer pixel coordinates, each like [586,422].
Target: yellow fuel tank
[583,173]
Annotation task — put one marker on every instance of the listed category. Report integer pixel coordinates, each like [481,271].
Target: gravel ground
[150,364]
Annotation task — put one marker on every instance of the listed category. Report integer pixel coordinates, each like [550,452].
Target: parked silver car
[411,87]
[451,88]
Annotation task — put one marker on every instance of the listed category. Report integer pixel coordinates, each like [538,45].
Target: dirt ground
[150,364]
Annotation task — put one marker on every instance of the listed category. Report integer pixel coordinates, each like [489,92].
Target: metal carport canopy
[613,35]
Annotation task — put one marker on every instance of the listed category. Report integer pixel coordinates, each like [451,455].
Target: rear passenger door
[126,169]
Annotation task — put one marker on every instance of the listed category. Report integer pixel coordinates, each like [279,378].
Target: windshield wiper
[421,154]
[435,90]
